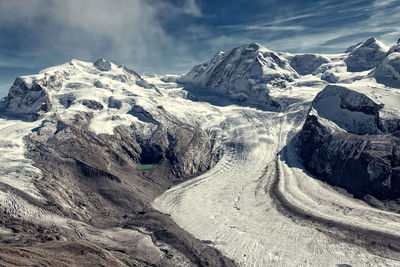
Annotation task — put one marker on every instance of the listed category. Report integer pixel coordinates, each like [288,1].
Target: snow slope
[15,169]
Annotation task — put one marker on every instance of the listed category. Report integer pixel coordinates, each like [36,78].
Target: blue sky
[171,36]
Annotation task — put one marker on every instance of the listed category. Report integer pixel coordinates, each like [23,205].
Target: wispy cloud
[383,3]
[4,88]
[191,7]
[326,26]
[265,27]
[128,31]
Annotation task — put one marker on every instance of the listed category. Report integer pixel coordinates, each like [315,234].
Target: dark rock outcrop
[28,99]
[92,104]
[362,157]
[102,64]
[330,77]
[362,164]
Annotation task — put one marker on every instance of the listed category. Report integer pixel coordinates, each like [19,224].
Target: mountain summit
[245,73]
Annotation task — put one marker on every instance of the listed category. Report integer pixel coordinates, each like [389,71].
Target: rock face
[102,64]
[344,143]
[307,63]
[28,98]
[244,74]
[365,56]
[330,77]
[187,149]
[362,164]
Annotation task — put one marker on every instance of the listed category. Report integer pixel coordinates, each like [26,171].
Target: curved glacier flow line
[259,211]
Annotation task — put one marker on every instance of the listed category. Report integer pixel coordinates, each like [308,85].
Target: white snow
[15,169]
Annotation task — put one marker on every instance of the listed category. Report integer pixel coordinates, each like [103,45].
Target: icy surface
[15,169]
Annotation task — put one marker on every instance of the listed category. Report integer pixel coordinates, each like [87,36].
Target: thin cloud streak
[264,27]
[323,28]
[127,31]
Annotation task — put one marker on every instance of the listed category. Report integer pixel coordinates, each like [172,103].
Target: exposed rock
[114,103]
[351,48]
[330,77]
[360,164]
[343,143]
[92,104]
[187,149]
[394,49]
[67,99]
[102,65]
[29,99]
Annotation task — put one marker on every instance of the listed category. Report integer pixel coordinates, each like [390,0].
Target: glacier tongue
[234,206]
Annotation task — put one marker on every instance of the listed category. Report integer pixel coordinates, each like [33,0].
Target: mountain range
[253,158]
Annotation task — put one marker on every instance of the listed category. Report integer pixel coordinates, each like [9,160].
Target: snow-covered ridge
[66,90]
[359,108]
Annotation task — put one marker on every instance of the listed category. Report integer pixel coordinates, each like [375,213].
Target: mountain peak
[370,41]
[255,47]
[243,73]
[366,55]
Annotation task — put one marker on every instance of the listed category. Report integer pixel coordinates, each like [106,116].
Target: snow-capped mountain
[245,74]
[366,55]
[214,167]
[387,71]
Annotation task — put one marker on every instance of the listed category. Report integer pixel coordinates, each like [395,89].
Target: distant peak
[373,42]
[370,41]
[254,47]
